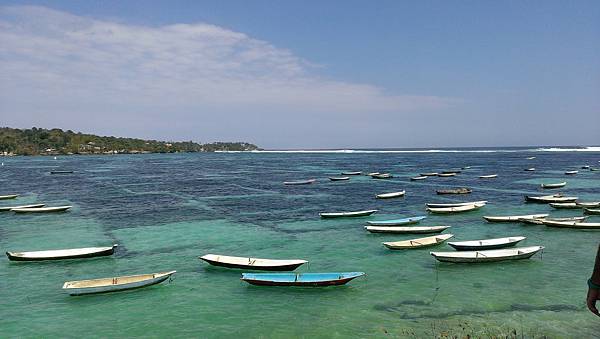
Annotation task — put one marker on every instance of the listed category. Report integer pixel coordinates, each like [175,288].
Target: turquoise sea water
[166,210]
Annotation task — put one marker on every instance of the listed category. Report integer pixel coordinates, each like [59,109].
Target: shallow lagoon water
[166,210]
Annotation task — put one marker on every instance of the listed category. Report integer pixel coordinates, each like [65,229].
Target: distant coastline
[41,141]
[511,149]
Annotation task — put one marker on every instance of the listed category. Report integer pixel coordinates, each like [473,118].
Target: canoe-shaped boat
[456,204]
[406,229]
[571,172]
[373,173]
[418,243]
[61,172]
[485,244]
[382,176]
[104,285]
[347,214]
[396,222]
[352,173]
[530,158]
[557,185]
[550,198]
[455,171]
[487,255]
[564,205]
[573,224]
[418,178]
[540,221]
[446,174]
[253,263]
[490,176]
[458,209]
[461,190]
[530,169]
[74,253]
[41,209]
[390,195]
[300,182]
[429,174]
[10,196]
[513,218]
[300,279]
[8,208]
[594,169]
[339,178]
[594,211]
[585,167]
[593,204]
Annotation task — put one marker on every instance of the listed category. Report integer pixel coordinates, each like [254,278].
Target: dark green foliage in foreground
[36,141]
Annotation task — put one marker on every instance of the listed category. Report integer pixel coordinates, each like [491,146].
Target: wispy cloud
[80,71]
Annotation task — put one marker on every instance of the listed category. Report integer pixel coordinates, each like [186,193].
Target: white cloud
[65,69]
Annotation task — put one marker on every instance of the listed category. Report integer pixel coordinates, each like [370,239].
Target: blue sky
[307,74]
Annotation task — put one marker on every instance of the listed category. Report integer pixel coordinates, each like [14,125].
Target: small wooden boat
[75,253]
[573,224]
[557,185]
[487,255]
[446,174]
[339,178]
[455,204]
[594,211]
[352,173]
[593,169]
[530,158]
[571,172]
[593,204]
[104,285]
[418,178]
[429,174]
[382,176]
[10,196]
[8,208]
[456,171]
[418,243]
[461,190]
[41,209]
[550,198]
[253,263]
[396,222]
[531,169]
[300,279]
[540,221]
[490,176]
[458,209]
[373,173]
[347,214]
[406,229]
[485,244]
[585,167]
[60,172]
[564,205]
[390,195]
[513,218]
[300,182]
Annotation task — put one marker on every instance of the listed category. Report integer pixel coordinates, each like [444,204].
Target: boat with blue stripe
[300,279]
[397,222]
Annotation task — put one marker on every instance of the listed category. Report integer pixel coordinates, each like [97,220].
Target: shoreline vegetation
[41,141]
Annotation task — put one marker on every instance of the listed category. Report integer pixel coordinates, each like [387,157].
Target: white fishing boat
[347,214]
[585,167]
[557,185]
[372,174]
[300,182]
[10,196]
[406,229]
[594,211]
[564,205]
[571,172]
[429,174]
[74,253]
[485,244]
[391,195]
[352,173]
[339,178]
[550,198]
[396,222]
[573,224]
[487,255]
[104,285]
[540,221]
[8,208]
[446,174]
[382,176]
[593,204]
[41,209]
[418,178]
[489,176]
[418,243]
[458,209]
[455,204]
[253,263]
[530,158]
[513,218]
[531,169]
